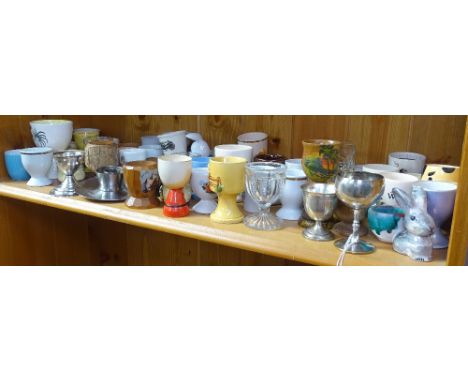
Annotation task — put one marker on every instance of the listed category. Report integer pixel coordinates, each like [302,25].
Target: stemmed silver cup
[68,162]
[319,204]
[358,190]
[264,181]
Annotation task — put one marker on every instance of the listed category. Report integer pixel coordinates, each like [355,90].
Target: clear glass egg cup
[264,181]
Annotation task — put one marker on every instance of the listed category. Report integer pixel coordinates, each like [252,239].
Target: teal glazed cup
[14,166]
[384,222]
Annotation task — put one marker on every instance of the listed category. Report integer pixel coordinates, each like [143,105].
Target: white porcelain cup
[37,162]
[242,151]
[174,142]
[377,168]
[396,180]
[152,151]
[131,154]
[199,183]
[56,134]
[175,170]
[407,162]
[291,195]
[257,140]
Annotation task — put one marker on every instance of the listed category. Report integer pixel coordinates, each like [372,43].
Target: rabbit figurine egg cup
[416,239]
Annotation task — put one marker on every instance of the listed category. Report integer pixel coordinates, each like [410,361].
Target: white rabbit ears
[418,198]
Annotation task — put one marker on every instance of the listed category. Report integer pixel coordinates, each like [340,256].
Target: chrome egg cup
[358,190]
[264,181]
[68,162]
[319,204]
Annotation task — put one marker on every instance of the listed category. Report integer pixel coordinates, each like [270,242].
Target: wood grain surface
[178,236]
[458,249]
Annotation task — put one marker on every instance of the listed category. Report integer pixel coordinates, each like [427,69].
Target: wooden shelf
[287,243]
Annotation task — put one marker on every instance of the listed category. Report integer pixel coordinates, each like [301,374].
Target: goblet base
[66,189]
[360,248]
[227,211]
[346,229]
[264,221]
[318,233]
[439,240]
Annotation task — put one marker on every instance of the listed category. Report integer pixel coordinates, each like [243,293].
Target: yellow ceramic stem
[227,211]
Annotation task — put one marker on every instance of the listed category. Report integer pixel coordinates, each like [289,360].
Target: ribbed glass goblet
[264,181]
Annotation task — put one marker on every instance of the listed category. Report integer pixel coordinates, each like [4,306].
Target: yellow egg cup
[227,179]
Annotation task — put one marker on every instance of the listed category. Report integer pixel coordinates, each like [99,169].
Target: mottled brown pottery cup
[101,154]
[143,182]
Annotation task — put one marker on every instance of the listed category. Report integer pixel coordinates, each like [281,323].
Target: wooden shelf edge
[201,228]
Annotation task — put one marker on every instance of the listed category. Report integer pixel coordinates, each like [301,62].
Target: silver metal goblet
[358,190]
[345,215]
[319,204]
[68,162]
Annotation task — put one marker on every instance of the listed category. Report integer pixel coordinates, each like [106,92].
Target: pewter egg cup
[358,190]
[68,162]
[319,204]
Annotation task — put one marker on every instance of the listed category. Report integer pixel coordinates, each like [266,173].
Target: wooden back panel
[440,138]
[458,249]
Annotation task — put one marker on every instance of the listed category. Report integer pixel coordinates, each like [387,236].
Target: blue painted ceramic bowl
[200,162]
[14,166]
[385,222]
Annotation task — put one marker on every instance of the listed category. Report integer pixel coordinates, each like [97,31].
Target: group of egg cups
[408,171]
[51,159]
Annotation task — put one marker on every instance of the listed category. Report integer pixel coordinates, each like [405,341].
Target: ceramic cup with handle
[37,162]
[396,180]
[14,166]
[407,162]
[257,140]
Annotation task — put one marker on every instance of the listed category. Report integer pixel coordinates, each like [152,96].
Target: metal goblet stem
[358,190]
